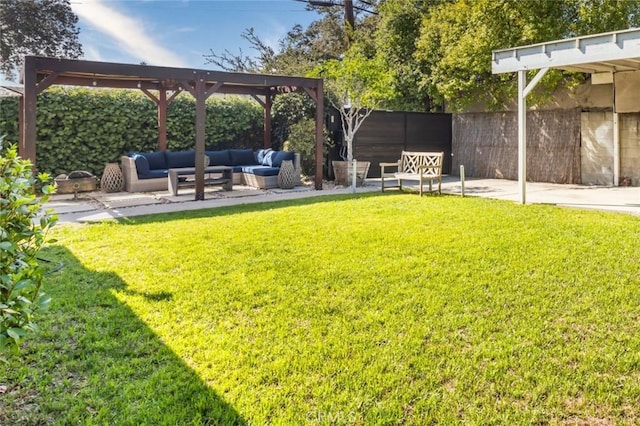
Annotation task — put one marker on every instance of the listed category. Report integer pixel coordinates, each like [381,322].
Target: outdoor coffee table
[213,175]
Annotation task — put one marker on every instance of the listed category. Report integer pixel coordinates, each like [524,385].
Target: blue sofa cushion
[157,160]
[142,165]
[241,157]
[153,174]
[261,170]
[281,156]
[180,159]
[219,158]
[267,160]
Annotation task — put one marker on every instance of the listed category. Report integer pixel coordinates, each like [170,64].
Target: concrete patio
[99,206]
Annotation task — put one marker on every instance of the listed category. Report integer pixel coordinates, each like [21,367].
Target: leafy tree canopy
[36,27]
[456,40]
[355,86]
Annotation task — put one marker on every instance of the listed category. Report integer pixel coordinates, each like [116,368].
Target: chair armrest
[383,165]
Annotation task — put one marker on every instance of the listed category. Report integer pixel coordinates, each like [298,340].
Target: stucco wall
[596,151]
[630,147]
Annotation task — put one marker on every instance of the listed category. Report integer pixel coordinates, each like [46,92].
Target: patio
[99,206]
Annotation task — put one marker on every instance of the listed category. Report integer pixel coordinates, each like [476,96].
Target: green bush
[302,139]
[287,110]
[21,237]
[83,129]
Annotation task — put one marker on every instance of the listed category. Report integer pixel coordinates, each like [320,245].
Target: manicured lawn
[377,309]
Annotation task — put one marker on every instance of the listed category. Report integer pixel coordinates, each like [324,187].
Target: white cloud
[129,33]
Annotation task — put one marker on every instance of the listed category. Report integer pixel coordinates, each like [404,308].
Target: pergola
[162,85]
[607,57]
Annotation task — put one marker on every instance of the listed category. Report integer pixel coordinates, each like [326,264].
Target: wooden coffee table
[213,175]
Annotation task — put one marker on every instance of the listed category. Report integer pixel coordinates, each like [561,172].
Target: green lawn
[371,309]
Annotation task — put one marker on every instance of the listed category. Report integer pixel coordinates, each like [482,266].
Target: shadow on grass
[252,207]
[95,361]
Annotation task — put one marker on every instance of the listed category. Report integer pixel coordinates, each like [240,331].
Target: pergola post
[319,98]
[162,119]
[27,145]
[268,103]
[201,97]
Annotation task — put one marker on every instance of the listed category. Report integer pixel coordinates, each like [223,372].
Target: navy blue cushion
[142,165]
[157,160]
[241,157]
[237,169]
[261,170]
[154,174]
[267,160]
[219,158]
[280,156]
[180,159]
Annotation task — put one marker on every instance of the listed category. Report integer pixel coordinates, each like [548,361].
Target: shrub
[83,129]
[22,234]
[302,139]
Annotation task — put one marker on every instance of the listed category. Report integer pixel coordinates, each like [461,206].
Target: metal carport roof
[602,55]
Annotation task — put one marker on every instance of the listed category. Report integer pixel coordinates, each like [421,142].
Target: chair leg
[382,182]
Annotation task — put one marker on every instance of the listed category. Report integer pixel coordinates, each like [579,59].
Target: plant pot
[342,170]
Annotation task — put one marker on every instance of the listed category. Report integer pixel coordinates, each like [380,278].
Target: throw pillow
[268,158]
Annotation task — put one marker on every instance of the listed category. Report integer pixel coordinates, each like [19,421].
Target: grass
[374,309]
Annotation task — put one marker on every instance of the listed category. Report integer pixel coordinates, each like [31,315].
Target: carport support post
[522,136]
[616,147]
[523,90]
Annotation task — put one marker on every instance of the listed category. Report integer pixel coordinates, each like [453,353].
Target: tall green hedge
[83,129]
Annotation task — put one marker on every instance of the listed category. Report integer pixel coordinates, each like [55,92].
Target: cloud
[129,33]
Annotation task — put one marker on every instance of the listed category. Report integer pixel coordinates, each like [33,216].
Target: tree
[456,40]
[395,39]
[355,86]
[36,27]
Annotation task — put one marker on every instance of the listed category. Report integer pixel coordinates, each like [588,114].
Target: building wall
[596,151]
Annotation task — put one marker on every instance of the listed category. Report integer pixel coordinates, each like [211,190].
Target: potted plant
[355,86]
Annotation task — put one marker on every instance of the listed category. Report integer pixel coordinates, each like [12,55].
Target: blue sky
[179,32]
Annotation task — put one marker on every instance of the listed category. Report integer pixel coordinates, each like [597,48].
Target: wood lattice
[430,162]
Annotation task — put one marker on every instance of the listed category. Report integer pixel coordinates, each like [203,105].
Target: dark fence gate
[384,135]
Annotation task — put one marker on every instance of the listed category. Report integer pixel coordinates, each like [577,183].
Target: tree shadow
[95,361]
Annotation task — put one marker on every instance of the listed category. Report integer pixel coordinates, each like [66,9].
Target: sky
[179,33]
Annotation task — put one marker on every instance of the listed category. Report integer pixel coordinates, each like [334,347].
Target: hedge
[83,129]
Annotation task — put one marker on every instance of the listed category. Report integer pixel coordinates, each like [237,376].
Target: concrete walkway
[99,206]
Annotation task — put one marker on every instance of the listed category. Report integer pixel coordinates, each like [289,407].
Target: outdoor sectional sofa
[149,171]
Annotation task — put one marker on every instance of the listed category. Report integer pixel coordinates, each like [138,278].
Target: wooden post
[319,95]
[268,98]
[201,97]
[162,119]
[27,145]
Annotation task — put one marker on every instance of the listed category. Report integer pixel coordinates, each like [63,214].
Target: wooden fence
[384,135]
[487,145]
